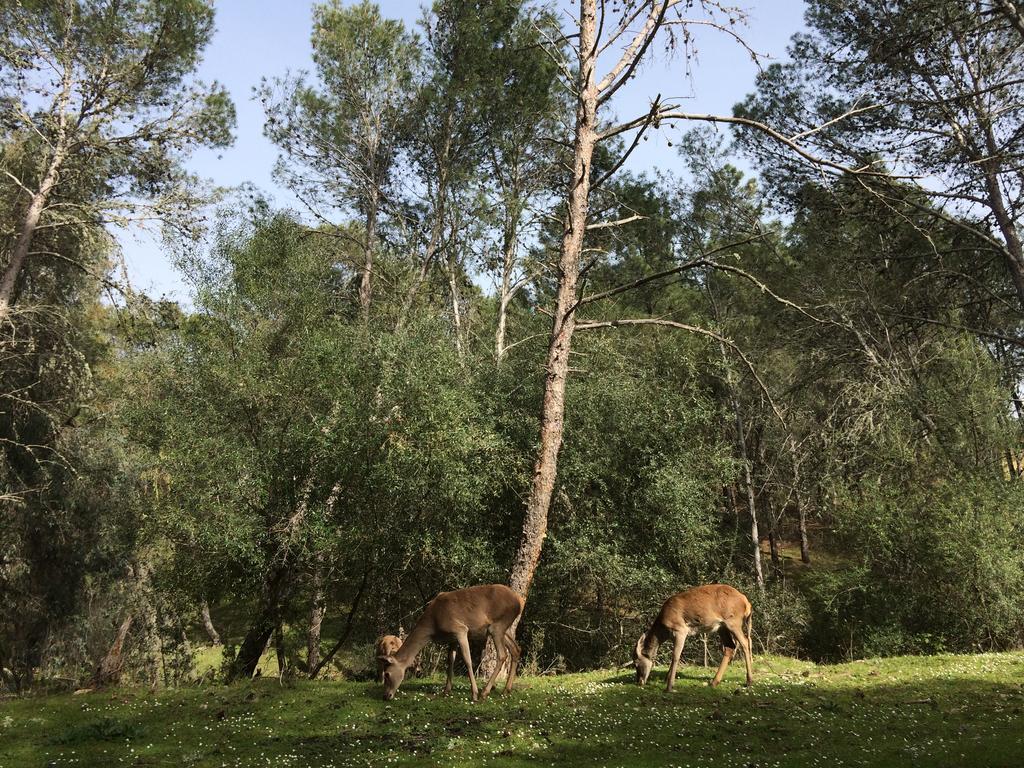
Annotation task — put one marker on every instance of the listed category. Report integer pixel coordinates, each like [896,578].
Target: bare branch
[616,223]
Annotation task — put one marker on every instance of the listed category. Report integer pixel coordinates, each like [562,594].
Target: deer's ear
[390,660]
[639,650]
[383,658]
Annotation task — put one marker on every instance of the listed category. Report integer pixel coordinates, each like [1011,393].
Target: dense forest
[484,350]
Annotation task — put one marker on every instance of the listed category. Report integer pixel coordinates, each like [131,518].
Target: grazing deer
[702,609]
[450,618]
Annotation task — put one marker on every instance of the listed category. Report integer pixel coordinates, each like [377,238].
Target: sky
[268,38]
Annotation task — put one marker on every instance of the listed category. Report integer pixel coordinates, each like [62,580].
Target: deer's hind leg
[497,634]
[451,671]
[514,654]
[728,651]
[736,628]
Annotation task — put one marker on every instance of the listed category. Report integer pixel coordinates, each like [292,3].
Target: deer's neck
[421,634]
[654,637]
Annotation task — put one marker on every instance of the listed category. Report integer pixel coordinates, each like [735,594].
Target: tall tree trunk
[991,164]
[805,549]
[211,631]
[801,511]
[741,451]
[453,291]
[26,231]
[109,670]
[262,627]
[508,254]
[433,245]
[748,481]
[280,651]
[353,609]
[563,322]
[365,283]
[316,618]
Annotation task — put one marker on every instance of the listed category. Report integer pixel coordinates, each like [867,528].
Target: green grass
[921,711]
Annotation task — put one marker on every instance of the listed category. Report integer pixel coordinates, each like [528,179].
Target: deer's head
[393,675]
[644,665]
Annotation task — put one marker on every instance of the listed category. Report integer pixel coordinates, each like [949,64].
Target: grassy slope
[935,711]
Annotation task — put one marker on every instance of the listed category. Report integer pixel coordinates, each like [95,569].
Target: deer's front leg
[677,652]
[468,659]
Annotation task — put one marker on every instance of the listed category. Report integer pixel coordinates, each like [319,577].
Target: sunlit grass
[922,711]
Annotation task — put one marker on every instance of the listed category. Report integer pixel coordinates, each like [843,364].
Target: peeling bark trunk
[508,265]
[805,549]
[348,627]
[280,650]
[9,278]
[773,543]
[1008,228]
[316,619]
[453,290]
[365,283]
[755,538]
[262,627]
[563,323]
[211,631]
[109,670]
[421,277]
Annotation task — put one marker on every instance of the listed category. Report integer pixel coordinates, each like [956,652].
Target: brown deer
[702,609]
[450,619]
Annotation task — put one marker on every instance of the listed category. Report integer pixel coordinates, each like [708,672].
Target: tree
[101,89]
[342,137]
[926,89]
[592,39]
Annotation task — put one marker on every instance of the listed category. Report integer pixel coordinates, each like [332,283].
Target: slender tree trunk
[365,283]
[563,322]
[261,628]
[316,618]
[801,511]
[348,627]
[26,231]
[453,290]
[499,333]
[742,453]
[997,201]
[1011,236]
[805,549]
[211,631]
[109,670]
[508,251]
[280,650]
[278,580]
[421,276]
[748,481]
[773,543]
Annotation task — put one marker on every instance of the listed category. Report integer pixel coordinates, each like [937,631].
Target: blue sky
[266,38]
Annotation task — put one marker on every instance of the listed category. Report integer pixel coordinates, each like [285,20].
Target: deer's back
[475,607]
[704,607]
